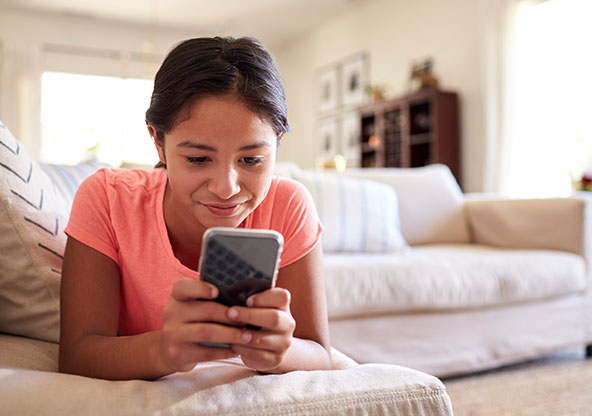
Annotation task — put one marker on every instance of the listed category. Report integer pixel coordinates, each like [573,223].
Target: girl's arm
[293,317]
[89,344]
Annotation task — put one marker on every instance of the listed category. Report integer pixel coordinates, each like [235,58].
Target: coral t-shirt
[119,213]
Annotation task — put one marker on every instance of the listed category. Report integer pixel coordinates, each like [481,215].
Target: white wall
[393,33]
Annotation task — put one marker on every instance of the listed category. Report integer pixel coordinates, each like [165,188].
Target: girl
[132,304]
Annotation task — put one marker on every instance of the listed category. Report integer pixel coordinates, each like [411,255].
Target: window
[551,142]
[87,115]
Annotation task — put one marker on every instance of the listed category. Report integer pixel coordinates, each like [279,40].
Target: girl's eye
[252,161]
[199,160]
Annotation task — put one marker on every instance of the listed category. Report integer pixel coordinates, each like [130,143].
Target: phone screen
[239,264]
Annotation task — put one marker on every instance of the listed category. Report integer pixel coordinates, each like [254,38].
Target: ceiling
[272,21]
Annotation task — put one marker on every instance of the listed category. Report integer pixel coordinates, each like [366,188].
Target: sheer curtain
[538,96]
[20,93]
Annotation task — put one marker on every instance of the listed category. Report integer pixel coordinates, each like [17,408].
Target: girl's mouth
[223,210]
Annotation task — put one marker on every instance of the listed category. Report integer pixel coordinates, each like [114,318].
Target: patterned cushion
[33,213]
[33,216]
[358,215]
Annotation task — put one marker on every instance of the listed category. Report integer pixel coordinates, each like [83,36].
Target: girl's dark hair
[202,67]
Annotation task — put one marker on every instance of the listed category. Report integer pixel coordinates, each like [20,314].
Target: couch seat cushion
[444,277]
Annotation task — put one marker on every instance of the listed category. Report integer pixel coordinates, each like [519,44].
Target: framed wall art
[354,79]
[349,133]
[340,89]
[328,89]
[328,138]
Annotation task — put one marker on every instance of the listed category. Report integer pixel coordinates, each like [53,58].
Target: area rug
[560,384]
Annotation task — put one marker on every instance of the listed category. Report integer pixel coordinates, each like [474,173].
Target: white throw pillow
[33,214]
[358,215]
[430,201]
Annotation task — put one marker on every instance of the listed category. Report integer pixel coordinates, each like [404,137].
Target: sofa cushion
[430,202]
[225,387]
[446,277]
[358,215]
[27,353]
[33,214]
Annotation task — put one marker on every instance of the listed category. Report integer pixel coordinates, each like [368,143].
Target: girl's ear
[159,146]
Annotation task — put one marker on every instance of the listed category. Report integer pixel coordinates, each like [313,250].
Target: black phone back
[239,264]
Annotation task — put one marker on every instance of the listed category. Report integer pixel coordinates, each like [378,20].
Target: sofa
[35,200]
[421,275]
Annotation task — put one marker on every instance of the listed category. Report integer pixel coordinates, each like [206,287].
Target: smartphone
[240,262]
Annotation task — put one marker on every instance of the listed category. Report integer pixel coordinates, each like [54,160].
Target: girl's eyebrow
[257,145]
[192,145]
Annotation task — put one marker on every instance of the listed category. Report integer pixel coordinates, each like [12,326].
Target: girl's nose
[224,183]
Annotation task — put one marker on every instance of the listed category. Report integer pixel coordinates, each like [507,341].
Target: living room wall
[393,33]
[31,43]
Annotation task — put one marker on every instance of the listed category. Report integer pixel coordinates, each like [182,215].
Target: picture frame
[349,132]
[354,79]
[328,138]
[327,88]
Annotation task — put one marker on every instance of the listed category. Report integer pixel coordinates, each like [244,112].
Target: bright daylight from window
[553,141]
[84,116]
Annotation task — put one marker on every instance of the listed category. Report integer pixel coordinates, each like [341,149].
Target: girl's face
[220,158]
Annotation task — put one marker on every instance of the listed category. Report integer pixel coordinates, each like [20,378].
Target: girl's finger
[276,297]
[210,332]
[274,320]
[190,289]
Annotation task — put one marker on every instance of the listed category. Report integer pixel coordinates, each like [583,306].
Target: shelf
[366,148]
[420,138]
[414,130]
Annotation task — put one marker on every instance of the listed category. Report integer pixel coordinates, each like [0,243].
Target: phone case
[240,262]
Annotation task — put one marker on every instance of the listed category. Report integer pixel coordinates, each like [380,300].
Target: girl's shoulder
[127,179]
[288,191]
[287,186]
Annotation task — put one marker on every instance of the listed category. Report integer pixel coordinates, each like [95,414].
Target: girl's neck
[185,236]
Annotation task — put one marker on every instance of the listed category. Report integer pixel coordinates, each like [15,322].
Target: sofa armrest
[552,224]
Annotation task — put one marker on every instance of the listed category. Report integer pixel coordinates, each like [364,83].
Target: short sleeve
[90,219]
[300,224]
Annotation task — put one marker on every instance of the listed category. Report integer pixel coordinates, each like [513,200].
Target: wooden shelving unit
[411,131]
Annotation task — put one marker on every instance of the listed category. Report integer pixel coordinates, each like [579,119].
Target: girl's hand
[191,317]
[269,310]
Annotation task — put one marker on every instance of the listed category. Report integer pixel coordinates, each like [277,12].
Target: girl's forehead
[222,116]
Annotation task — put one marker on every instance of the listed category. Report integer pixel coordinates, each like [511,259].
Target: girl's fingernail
[232,313]
[250,302]
[246,336]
